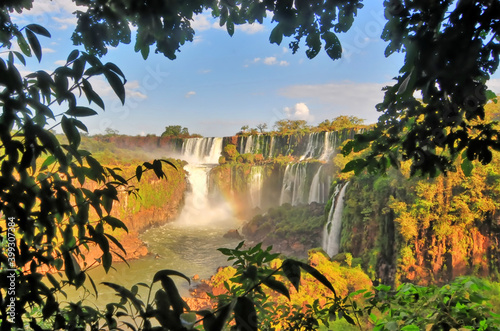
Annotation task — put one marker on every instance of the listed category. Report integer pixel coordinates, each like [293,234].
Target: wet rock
[233,234]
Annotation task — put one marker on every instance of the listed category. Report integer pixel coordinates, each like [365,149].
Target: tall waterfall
[318,191]
[256,182]
[320,145]
[294,189]
[202,154]
[331,232]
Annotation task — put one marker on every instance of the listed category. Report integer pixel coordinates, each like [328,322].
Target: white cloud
[133,89]
[47,50]
[494,85]
[341,98]
[65,21]
[299,112]
[271,60]
[190,94]
[201,23]
[250,28]
[60,62]
[46,11]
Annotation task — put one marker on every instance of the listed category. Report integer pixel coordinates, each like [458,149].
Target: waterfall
[331,232]
[317,190]
[312,145]
[202,154]
[329,146]
[248,145]
[256,182]
[271,148]
[202,150]
[293,189]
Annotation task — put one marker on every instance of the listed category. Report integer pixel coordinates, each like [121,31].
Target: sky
[220,83]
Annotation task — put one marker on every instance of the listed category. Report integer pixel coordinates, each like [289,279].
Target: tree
[175,131]
[110,132]
[262,127]
[451,49]
[291,126]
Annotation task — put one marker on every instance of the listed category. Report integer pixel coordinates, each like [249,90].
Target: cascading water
[256,182]
[202,150]
[331,232]
[312,146]
[317,190]
[293,189]
[330,143]
[202,155]
[249,145]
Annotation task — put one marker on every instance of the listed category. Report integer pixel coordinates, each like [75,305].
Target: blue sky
[219,83]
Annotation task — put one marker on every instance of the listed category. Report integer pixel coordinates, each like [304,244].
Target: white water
[256,182]
[248,145]
[330,143]
[316,192]
[293,189]
[199,207]
[331,232]
[202,150]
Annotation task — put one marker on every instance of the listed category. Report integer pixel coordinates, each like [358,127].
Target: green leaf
[70,131]
[113,67]
[94,287]
[276,286]
[332,45]
[145,51]
[174,297]
[91,95]
[126,294]
[314,43]
[115,222]
[138,173]
[157,168]
[80,111]
[410,328]
[167,272]
[35,44]
[356,165]
[73,55]
[208,319]
[245,315]
[107,260]
[292,272]
[20,57]
[23,45]
[38,29]
[276,35]
[48,161]
[219,322]
[116,84]
[230,27]
[316,274]
[467,167]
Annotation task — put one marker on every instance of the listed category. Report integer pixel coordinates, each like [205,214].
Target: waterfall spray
[331,232]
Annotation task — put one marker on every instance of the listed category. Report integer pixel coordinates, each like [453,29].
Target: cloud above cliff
[340,98]
[299,111]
